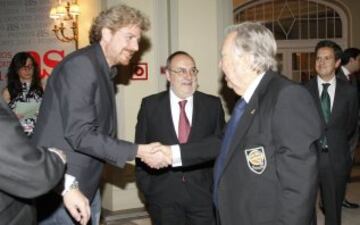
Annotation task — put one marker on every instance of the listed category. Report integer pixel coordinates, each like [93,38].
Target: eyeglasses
[182,71]
[325,59]
[28,67]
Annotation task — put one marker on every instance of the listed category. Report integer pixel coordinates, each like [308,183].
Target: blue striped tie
[229,133]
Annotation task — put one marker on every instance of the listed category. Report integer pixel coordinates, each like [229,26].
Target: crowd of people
[284,145]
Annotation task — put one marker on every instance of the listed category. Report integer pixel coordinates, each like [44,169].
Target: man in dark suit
[179,196]
[266,171]
[350,64]
[78,110]
[350,61]
[25,172]
[337,103]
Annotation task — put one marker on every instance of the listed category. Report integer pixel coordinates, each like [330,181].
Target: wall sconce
[65,19]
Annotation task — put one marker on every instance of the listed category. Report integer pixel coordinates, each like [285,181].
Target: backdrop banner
[25,25]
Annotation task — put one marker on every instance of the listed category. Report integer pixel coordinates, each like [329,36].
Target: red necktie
[184,125]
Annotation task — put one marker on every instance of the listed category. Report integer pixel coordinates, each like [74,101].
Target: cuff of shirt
[57,152]
[176,155]
[68,181]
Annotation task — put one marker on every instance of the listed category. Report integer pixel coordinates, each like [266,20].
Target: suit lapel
[243,126]
[341,75]
[249,114]
[167,116]
[109,86]
[353,80]
[314,90]
[338,96]
[195,115]
[337,99]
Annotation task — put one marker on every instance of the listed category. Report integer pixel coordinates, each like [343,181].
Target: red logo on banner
[48,61]
[140,72]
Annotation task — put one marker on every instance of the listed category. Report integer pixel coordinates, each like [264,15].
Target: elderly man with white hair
[266,171]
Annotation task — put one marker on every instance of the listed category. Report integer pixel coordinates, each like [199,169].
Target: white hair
[257,41]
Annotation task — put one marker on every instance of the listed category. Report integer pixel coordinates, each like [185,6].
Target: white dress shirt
[346,72]
[252,87]
[175,114]
[175,109]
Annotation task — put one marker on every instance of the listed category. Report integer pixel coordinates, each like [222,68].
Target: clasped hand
[155,155]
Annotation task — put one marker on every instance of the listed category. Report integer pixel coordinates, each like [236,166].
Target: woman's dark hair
[13,80]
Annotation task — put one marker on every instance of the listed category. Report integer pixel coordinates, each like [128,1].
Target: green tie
[325,102]
[325,108]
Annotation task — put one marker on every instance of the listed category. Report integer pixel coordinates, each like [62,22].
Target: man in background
[78,111]
[350,64]
[337,104]
[180,115]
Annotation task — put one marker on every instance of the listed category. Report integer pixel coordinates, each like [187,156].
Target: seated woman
[24,91]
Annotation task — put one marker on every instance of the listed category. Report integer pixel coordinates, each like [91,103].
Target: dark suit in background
[350,61]
[338,132]
[25,172]
[354,84]
[337,104]
[351,80]
[178,195]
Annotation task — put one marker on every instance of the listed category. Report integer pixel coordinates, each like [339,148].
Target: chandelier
[66,21]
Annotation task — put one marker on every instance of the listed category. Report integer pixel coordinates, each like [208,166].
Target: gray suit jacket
[78,115]
[25,172]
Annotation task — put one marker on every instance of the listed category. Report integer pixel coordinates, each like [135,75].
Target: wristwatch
[74,185]
[70,183]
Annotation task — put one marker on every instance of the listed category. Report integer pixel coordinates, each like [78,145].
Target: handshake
[155,155]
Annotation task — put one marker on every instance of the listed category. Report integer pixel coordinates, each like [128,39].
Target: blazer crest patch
[256,159]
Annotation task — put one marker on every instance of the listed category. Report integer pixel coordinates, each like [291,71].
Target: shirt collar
[110,71]
[175,98]
[321,81]
[113,72]
[251,89]
[345,70]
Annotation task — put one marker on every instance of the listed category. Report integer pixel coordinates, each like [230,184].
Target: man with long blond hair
[78,114]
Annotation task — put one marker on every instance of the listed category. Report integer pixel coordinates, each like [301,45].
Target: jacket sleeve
[143,178]
[352,119]
[208,148]
[25,171]
[296,126]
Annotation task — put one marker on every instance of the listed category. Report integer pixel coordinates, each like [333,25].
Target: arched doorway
[297,26]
